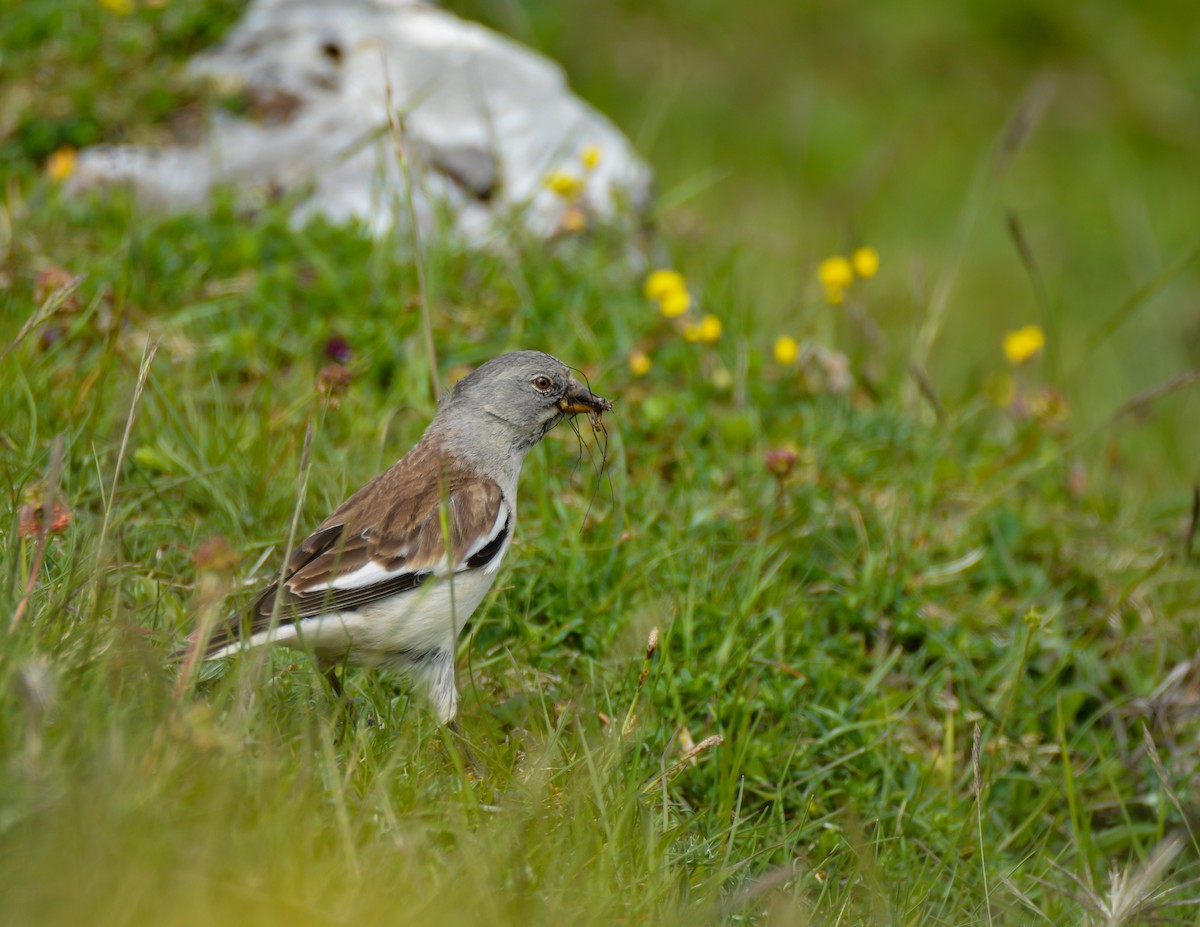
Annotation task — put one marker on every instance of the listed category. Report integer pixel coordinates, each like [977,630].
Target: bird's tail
[212,640]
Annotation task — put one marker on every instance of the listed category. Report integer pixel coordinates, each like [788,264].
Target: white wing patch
[366,575]
[497,527]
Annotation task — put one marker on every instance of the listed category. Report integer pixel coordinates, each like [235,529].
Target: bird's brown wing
[427,514]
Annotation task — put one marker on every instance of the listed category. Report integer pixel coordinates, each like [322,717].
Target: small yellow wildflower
[662,282]
[835,274]
[865,262]
[675,303]
[639,363]
[706,331]
[120,7]
[669,290]
[590,157]
[1024,344]
[563,184]
[786,350]
[61,164]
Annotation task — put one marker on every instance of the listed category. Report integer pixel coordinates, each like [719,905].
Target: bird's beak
[581,399]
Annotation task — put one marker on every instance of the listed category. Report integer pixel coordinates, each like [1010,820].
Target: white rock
[485,120]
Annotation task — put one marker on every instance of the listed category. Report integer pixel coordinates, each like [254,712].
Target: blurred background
[952,137]
[1013,163]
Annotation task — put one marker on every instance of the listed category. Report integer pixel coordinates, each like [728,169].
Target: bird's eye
[541,384]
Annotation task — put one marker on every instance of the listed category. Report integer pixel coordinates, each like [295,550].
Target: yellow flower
[675,303]
[662,282]
[590,157]
[710,329]
[120,7]
[639,363]
[835,274]
[865,262]
[786,350]
[61,164]
[706,331]
[669,290]
[564,184]
[1023,344]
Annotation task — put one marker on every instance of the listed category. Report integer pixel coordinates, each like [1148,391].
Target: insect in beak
[583,399]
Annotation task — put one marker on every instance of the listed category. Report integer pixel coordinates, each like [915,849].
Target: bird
[390,578]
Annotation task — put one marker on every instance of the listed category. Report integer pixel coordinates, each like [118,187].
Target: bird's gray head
[514,400]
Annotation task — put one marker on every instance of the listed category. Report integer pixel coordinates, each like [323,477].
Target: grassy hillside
[922,643]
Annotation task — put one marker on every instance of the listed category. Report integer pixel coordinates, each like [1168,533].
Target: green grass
[844,628]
